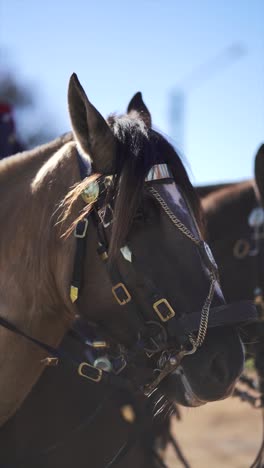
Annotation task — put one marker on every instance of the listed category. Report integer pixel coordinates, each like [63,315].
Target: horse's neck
[29,295]
[30,190]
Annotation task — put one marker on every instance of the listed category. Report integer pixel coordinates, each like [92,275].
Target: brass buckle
[170,312]
[98,344]
[126,299]
[83,233]
[94,379]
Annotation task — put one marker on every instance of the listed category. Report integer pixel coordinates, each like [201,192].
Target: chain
[198,341]
[174,218]
[195,341]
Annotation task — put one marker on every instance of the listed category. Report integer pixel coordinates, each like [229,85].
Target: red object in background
[9,143]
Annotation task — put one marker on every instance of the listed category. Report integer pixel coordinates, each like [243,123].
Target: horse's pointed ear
[137,105]
[259,171]
[90,129]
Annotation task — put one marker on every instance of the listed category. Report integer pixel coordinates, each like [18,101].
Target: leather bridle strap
[119,288]
[83,368]
[77,275]
[224,315]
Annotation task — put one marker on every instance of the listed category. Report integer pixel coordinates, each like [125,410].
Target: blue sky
[159,47]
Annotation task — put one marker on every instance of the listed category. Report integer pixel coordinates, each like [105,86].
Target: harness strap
[77,275]
[83,368]
[119,288]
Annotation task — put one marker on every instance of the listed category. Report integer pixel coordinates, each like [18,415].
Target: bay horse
[94,226]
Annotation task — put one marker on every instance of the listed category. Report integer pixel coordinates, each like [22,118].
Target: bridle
[154,327]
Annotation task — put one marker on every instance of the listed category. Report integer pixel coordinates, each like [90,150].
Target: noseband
[160,323]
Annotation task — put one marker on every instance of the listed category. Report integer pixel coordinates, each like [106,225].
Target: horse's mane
[138,150]
[46,148]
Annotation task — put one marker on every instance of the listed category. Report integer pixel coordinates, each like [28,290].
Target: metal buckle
[126,299]
[169,310]
[98,371]
[83,233]
[150,352]
[158,172]
[123,364]
[156,347]
[102,213]
[97,344]
[241,248]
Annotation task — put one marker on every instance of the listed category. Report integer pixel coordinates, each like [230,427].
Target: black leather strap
[225,315]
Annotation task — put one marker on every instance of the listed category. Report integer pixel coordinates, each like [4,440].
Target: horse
[92,223]
[234,219]
[239,249]
[235,231]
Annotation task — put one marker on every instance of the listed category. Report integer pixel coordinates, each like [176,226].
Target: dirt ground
[225,434]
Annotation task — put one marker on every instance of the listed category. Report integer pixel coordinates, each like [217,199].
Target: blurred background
[199,65]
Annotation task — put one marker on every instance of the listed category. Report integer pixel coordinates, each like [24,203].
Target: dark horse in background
[235,228]
[106,249]
[235,224]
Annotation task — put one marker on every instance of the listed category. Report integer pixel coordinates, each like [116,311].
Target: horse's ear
[137,105]
[90,129]
[259,171]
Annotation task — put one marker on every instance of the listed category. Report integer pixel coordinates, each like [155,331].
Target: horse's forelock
[138,150]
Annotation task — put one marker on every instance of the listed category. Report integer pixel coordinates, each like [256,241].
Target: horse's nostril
[218,369]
